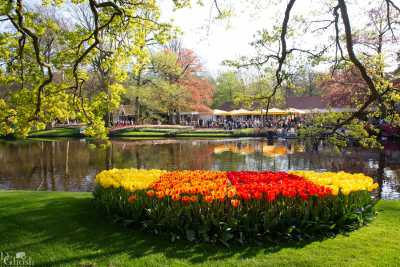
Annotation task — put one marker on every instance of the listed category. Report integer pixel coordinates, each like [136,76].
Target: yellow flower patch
[129,179]
[339,181]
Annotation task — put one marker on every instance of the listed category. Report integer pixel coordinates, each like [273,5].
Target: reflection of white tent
[218,112]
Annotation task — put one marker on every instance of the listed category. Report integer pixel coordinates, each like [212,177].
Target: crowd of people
[231,124]
[284,123]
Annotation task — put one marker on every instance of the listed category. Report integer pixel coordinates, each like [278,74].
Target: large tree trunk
[137,109]
[178,117]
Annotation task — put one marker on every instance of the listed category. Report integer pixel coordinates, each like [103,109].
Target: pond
[71,164]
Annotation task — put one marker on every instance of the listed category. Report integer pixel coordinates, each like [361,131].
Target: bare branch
[364,74]
[217,7]
[19,25]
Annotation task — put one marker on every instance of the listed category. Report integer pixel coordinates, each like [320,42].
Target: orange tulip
[235,203]
[150,193]
[132,198]
[185,200]
[192,183]
[176,197]
[160,195]
[231,193]
[208,199]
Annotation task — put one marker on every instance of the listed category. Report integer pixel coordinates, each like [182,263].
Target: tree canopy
[47,61]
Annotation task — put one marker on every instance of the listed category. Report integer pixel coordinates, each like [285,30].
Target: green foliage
[159,96]
[158,87]
[228,87]
[231,89]
[356,131]
[165,64]
[47,64]
[365,129]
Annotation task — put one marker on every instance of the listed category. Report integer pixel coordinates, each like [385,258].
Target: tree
[304,81]
[345,88]
[171,83]
[156,88]
[380,30]
[228,87]
[200,90]
[278,48]
[30,66]
[190,77]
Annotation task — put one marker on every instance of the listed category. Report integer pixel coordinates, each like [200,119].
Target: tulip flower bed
[227,207]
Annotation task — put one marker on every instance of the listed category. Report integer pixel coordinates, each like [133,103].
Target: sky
[215,41]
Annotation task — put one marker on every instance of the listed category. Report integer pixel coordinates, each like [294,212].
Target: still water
[71,164]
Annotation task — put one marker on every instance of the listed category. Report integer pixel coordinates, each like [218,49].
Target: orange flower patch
[189,186]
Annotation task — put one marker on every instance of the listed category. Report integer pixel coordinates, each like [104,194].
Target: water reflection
[70,165]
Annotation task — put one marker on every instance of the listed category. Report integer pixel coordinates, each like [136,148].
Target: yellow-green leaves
[87,78]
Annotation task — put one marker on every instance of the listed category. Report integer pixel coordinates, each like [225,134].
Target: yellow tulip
[129,179]
[339,181]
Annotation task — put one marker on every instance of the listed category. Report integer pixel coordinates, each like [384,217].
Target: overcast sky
[215,41]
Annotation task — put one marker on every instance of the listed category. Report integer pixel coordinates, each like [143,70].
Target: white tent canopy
[296,111]
[218,112]
[277,111]
[240,112]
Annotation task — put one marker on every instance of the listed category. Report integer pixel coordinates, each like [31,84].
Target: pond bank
[59,228]
[156,133]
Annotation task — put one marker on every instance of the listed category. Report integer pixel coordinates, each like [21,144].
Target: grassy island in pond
[56,228]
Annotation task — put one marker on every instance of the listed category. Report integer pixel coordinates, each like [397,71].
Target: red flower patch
[252,185]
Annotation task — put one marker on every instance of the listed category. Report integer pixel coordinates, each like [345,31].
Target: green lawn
[64,229]
[135,133]
[148,132]
[203,134]
[57,132]
[206,133]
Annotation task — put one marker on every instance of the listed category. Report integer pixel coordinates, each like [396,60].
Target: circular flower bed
[244,206]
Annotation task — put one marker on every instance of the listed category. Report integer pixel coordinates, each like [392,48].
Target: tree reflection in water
[71,164]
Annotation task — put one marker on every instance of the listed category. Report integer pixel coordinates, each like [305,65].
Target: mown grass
[64,229]
[139,133]
[206,133]
[149,132]
[57,132]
